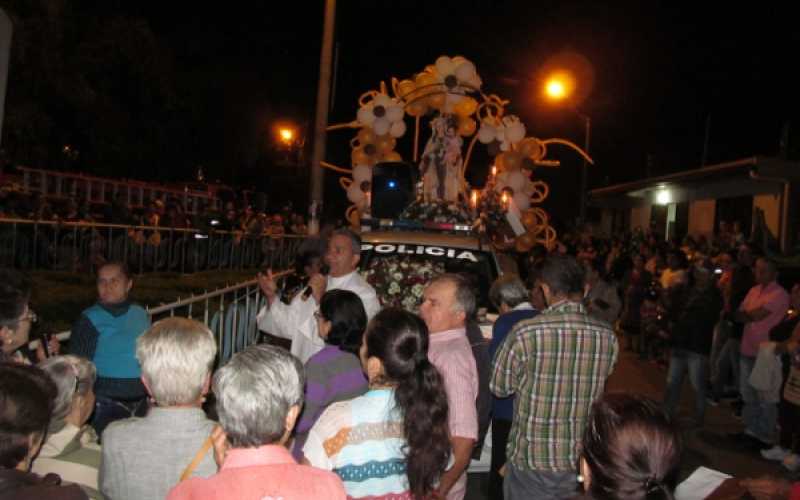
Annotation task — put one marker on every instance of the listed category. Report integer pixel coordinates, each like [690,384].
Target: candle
[504,200]
[474,200]
[494,171]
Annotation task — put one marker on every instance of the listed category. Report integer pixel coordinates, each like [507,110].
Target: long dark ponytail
[400,340]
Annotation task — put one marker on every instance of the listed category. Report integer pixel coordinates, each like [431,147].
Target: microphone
[45,340]
[323,270]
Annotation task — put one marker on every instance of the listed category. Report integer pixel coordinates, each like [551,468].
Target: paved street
[707,446]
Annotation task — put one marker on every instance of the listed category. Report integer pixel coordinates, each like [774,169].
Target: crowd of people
[372,402]
[714,310]
[162,211]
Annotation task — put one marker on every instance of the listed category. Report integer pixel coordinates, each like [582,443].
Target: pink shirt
[265,473]
[771,297]
[451,354]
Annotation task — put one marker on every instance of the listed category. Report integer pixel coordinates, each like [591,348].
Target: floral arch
[448,96]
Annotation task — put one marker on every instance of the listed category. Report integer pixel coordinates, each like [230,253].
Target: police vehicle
[398,258]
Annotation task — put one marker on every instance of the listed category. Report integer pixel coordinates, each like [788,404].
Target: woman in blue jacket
[106,334]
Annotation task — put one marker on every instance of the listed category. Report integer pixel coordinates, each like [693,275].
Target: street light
[286,135]
[291,138]
[559,87]
[556,89]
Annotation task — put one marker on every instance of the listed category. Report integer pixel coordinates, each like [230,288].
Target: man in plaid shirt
[557,365]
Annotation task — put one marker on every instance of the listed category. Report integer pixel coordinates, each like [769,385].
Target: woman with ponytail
[631,450]
[393,440]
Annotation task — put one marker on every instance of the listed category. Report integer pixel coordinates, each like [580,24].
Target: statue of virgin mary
[441,162]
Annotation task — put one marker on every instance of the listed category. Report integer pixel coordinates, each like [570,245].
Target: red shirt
[266,473]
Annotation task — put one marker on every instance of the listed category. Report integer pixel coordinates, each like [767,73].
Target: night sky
[660,69]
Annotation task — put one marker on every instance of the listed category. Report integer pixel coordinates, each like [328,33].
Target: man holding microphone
[296,321]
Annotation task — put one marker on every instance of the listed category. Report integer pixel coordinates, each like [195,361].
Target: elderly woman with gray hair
[259,396]
[511,298]
[71,449]
[144,457]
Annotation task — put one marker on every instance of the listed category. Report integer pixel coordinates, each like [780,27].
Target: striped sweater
[331,375]
[362,441]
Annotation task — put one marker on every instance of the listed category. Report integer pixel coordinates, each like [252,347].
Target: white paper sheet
[700,484]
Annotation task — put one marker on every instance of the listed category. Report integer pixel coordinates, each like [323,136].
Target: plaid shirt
[557,365]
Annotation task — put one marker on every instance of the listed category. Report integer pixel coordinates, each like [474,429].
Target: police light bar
[414,224]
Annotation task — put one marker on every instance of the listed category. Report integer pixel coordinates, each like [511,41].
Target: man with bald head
[448,302]
[296,321]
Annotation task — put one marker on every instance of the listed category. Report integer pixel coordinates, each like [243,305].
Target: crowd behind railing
[161,211]
[72,234]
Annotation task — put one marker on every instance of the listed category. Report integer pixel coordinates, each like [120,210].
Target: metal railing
[229,312]
[82,246]
[101,190]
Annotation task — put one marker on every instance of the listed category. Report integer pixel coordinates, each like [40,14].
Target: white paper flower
[362,173]
[384,115]
[458,76]
[508,132]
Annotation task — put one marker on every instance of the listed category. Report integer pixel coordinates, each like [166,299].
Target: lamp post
[559,87]
[293,139]
[321,119]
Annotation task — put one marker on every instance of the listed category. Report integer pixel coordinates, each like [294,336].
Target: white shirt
[296,321]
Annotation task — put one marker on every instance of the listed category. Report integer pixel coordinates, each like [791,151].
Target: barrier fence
[82,246]
[229,312]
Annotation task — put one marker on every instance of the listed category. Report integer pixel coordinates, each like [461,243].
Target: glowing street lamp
[286,135]
[289,138]
[560,87]
[555,89]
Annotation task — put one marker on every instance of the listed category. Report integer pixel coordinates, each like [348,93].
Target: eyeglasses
[31,316]
[318,315]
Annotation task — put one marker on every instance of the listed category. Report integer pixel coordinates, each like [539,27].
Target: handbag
[198,457]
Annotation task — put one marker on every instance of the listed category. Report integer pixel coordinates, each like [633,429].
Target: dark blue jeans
[727,369]
[680,362]
[107,410]
[760,416]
